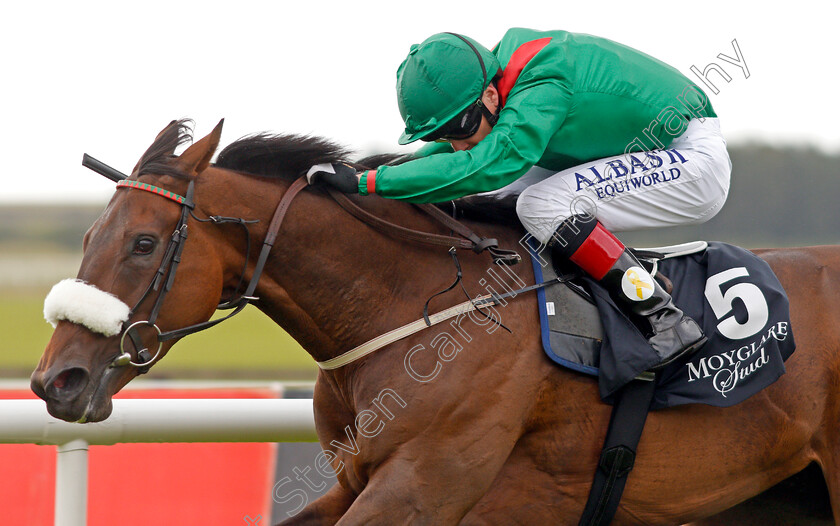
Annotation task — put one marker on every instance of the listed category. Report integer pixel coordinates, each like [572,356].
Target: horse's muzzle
[70,394]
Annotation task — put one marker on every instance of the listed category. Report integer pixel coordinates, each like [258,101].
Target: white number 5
[722,304]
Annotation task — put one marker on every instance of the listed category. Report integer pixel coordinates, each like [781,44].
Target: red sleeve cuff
[370,183]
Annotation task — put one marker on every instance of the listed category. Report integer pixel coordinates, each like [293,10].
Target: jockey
[589,136]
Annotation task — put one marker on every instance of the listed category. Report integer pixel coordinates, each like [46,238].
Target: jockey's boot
[585,241]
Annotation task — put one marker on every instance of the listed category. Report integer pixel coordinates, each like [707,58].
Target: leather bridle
[165,275]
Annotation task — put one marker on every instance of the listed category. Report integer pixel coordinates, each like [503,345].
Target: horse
[470,424]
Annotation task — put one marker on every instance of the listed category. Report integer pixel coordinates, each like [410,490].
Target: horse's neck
[333,283]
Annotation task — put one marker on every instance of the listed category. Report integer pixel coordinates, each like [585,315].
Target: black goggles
[463,125]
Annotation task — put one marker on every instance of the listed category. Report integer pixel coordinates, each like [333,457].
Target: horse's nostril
[37,385]
[68,382]
[61,381]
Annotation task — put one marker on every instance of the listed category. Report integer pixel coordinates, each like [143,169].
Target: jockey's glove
[340,176]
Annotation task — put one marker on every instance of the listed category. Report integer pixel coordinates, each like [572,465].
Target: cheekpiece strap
[153,189]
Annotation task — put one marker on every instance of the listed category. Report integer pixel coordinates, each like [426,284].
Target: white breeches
[685,184]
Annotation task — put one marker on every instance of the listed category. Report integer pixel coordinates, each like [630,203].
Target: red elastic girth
[516,64]
[371,182]
[598,253]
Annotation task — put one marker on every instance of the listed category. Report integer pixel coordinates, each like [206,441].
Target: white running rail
[149,420]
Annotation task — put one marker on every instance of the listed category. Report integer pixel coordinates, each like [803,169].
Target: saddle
[573,331]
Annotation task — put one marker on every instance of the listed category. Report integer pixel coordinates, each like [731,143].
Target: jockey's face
[491,101]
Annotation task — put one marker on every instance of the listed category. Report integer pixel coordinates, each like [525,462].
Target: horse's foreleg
[830,464]
[431,483]
[327,509]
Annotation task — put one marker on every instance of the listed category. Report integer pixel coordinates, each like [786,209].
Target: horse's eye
[144,246]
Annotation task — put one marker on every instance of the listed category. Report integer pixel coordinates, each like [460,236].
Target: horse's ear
[196,158]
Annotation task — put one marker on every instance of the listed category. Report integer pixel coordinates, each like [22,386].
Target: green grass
[23,331]
[247,346]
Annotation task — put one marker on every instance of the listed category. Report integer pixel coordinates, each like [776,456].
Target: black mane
[279,155]
[290,155]
[264,154]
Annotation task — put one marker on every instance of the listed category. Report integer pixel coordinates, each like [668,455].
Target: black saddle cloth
[734,296]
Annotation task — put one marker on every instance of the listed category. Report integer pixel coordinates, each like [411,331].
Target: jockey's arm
[526,125]
[431,148]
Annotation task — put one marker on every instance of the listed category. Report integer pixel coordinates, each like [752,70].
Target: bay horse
[470,424]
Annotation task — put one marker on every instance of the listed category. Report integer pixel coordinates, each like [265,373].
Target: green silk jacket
[567,98]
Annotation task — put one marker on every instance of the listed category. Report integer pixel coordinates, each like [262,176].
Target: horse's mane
[290,155]
[279,155]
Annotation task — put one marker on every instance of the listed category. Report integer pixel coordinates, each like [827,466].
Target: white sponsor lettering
[728,368]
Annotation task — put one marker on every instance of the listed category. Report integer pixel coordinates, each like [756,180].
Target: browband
[153,189]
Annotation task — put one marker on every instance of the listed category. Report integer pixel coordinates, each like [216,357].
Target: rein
[165,275]
[469,240]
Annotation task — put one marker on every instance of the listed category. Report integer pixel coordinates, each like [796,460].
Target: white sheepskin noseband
[79,302]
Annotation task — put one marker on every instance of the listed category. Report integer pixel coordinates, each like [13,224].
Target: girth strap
[627,421]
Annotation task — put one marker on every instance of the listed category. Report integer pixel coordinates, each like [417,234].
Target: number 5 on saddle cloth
[733,295]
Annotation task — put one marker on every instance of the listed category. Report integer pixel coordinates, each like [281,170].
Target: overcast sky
[105,77]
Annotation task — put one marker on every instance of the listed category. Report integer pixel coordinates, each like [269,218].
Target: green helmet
[439,79]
